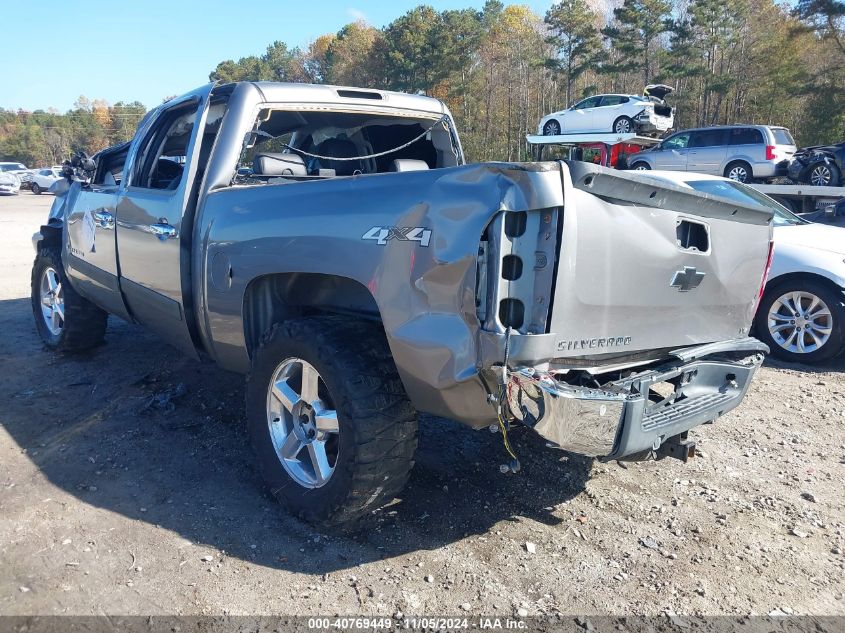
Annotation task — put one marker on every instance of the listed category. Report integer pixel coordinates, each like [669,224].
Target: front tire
[641,166]
[739,171]
[824,175]
[802,321]
[65,321]
[35,189]
[332,428]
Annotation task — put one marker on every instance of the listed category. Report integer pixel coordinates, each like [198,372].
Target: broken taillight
[765,274]
[770,152]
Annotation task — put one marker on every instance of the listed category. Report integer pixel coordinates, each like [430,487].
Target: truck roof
[326,94]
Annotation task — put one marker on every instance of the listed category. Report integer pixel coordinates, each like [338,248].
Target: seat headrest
[339,148]
[408,164]
[270,164]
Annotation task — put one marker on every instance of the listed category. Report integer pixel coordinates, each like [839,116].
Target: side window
[592,102]
[45,172]
[163,152]
[612,100]
[679,141]
[707,138]
[745,136]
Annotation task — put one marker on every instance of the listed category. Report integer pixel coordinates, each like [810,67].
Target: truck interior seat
[408,164]
[271,164]
[339,148]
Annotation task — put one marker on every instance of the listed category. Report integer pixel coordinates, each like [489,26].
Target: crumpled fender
[425,294]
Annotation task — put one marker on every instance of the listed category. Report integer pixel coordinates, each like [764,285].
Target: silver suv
[741,152]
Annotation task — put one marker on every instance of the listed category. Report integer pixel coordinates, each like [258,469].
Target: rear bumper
[651,122]
[625,417]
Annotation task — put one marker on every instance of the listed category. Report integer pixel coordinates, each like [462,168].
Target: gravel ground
[110,504]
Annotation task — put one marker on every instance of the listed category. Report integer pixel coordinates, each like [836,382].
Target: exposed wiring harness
[504,397]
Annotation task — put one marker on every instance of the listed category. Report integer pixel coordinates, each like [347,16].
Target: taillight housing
[765,274]
[770,152]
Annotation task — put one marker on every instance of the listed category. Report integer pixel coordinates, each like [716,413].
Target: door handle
[104,219]
[164,231]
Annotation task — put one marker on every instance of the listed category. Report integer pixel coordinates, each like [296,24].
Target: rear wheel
[331,425]
[65,320]
[35,188]
[824,175]
[802,321]
[551,128]
[739,171]
[623,125]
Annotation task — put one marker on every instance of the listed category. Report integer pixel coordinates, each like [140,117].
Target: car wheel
[35,189]
[824,175]
[802,321]
[551,128]
[333,430]
[739,171]
[623,125]
[641,166]
[65,321]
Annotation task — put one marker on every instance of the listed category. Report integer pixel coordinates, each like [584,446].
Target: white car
[801,316]
[42,179]
[618,113]
[10,184]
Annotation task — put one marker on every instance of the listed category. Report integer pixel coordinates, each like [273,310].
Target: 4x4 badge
[382,234]
[686,279]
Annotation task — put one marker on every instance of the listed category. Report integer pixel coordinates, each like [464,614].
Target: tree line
[501,68]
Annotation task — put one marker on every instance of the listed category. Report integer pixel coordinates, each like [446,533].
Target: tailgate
[644,264]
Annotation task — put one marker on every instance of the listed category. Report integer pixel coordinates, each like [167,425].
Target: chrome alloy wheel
[52,301]
[302,423]
[800,322]
[738,173]
[821,175]
[623,126]
[552,128]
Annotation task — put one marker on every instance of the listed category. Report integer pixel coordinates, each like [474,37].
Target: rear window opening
[301,145]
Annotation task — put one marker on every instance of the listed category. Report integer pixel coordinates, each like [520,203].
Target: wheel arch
[275,297]
[738,159]
[805,276]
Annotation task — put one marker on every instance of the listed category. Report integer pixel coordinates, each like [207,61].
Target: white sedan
[42,179]
[801,316]
[618,113]
[10,184]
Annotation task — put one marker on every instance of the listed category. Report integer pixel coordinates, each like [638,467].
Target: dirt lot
[110,505]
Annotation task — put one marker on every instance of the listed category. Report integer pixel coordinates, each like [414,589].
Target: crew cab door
[153,228]
[89,257]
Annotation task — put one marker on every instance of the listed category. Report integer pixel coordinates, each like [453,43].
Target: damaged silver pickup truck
[331,244]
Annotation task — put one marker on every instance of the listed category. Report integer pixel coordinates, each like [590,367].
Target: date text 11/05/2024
[421,623]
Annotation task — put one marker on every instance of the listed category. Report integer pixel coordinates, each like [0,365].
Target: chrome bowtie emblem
[686,279]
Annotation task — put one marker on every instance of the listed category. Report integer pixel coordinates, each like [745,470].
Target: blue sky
[130,50]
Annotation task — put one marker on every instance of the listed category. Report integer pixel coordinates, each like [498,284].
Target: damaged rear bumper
[627,416]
